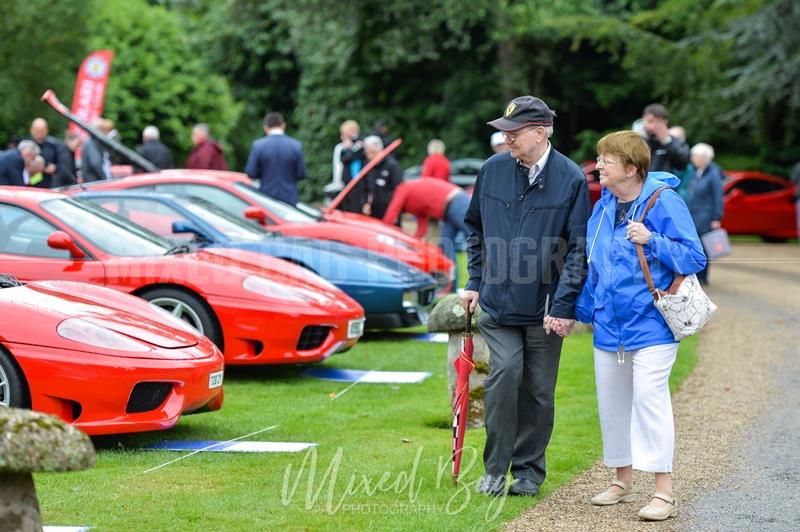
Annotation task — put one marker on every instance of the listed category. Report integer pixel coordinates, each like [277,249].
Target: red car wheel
[13,387]
[188,308]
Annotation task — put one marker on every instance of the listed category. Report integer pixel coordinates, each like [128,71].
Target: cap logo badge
[510,108]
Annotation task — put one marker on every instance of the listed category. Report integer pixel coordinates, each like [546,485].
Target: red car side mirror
[257,214]
[61,240]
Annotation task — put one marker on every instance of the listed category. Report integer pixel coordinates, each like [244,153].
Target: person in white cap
[498,142]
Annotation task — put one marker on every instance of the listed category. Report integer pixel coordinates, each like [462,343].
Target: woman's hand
[562,326]
[638,233]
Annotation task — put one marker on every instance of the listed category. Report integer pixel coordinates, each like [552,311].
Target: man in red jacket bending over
[429,197]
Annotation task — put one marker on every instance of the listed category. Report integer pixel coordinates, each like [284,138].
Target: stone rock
[448,315]
[19,507]
[32,442]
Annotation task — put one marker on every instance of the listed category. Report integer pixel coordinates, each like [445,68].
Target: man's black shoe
[491,485]
[524,488]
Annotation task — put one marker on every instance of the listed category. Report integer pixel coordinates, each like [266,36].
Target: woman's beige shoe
[610,496]
[654,513]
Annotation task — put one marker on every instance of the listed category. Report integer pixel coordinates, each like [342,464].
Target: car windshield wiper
[178,250]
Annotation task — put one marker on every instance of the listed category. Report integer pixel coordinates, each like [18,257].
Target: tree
[157,77]
[762,87]
[38,53]
[247,42]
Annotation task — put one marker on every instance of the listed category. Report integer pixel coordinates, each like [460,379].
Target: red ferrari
[759,204]
[233,193]
[257,309]
[102,360]
[592,180]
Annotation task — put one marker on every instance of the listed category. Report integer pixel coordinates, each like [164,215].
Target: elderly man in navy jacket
[13,161]
[527,221]
[277,160]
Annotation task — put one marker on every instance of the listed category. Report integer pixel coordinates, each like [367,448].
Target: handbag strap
[640,247]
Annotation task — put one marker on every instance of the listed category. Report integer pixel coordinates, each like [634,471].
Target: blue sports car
[392,293]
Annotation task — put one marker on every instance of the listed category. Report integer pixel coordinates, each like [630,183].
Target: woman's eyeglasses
[606,162]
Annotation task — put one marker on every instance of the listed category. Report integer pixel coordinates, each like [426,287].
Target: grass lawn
[382,459]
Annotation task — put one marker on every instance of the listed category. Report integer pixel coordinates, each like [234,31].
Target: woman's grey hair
[703,150]
[373,141]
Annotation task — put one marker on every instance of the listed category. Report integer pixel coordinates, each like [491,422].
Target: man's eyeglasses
[512,136]
[606,162]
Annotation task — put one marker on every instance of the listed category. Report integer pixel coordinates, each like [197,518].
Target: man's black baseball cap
[524,111]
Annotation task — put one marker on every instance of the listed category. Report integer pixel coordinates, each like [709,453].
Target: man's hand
[562,326]
[469,300]
[367,209]
[50,169]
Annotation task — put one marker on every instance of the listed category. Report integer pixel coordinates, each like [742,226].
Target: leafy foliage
[726,69]
[157,77]
[41,48]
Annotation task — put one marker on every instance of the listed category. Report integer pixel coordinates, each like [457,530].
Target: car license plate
[215,379]
[355,328]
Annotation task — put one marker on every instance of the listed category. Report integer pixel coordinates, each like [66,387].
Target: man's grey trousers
[518,398]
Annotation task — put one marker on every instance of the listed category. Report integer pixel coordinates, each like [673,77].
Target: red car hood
[246,263]
[51,302]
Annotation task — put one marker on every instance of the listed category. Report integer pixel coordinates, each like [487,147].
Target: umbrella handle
[469,322]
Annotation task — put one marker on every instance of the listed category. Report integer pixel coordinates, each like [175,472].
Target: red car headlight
[88,333]
[265,287]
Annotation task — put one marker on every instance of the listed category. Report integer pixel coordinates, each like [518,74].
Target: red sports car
[759,204]
[592,180]
[102,360]
[257,309]
[233,193]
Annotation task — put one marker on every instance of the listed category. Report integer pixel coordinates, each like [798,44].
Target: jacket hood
[654,181]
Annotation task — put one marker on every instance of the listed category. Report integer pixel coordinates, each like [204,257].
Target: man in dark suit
[67,173]
[48,147]
[277,160]
[95,157]
[154,150]
[13,161]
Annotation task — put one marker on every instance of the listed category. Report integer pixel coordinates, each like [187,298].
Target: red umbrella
[463,365]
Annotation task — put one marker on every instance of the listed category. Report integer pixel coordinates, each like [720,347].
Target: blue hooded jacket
[615,298]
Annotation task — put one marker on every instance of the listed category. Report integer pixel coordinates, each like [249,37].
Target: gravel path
[737,417]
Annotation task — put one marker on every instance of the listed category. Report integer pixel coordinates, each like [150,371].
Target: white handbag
[684,305]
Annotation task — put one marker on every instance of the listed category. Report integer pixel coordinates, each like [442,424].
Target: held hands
[469,300]
[562,326]
[638,233]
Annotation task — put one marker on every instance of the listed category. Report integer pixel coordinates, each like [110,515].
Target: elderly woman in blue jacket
[634,349]
[704,195]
